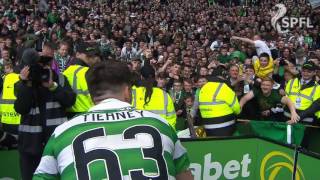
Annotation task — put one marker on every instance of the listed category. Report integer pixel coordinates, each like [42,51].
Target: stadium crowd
[183,43]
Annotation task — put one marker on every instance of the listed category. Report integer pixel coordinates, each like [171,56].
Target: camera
[282,62]
[39,74]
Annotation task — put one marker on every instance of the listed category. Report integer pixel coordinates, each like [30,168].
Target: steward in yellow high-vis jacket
[156,100]
[159,103]
[218,106]
[304,91]
[10,119]
[86,56]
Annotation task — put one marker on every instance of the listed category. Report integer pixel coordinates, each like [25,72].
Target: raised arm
[164,67]
[246,98]
[246,40]
[294,116]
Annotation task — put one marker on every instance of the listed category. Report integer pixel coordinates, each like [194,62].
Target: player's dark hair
[148,84]
[148,81]
[107,77]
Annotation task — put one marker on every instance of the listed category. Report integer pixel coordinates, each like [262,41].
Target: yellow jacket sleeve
[231,98]
[171,116]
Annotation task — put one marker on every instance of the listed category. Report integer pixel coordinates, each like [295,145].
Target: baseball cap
[88,49]
[309,65]
[30,57]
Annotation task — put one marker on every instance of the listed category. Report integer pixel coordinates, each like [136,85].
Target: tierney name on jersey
[112,116]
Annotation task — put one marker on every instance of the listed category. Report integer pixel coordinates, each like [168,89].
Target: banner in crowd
[277,131]
[314,3]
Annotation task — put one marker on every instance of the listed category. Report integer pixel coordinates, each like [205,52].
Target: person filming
[42,97]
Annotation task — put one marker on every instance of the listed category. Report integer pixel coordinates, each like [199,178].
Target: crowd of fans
[184,41]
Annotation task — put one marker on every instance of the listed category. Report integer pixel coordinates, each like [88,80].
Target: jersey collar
[109,104]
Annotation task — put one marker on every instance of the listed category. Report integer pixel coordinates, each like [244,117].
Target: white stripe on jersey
[80,120]
[48,165]
[65,158]
[179,150]
[116,142]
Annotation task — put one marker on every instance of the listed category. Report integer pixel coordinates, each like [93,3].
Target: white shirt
[215,45]
[261,47]
[128,54]
[303,82]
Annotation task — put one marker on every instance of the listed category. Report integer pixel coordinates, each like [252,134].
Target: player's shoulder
[69,124]
[151,118]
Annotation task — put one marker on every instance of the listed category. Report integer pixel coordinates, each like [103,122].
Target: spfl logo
[282,23]
[276,162]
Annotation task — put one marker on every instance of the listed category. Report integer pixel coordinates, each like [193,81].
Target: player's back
[114,144]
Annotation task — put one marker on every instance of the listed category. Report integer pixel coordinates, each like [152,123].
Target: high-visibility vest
[160,103]
[8,114]
[302,98]
[76,77]
[216,99]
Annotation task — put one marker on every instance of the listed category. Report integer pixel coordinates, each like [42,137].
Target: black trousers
[225,131]
[308,140]
[309,134]
[9,128]
[28,165]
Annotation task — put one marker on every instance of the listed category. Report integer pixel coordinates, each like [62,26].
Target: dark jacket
[309,112]
[41,112]
[77,61]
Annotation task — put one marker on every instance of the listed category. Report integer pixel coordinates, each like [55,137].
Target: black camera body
[38,74]
[282,62]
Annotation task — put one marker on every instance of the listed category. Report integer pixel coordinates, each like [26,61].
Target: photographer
[42,97]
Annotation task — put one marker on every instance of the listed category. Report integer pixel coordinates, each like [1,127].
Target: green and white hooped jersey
[114,144]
